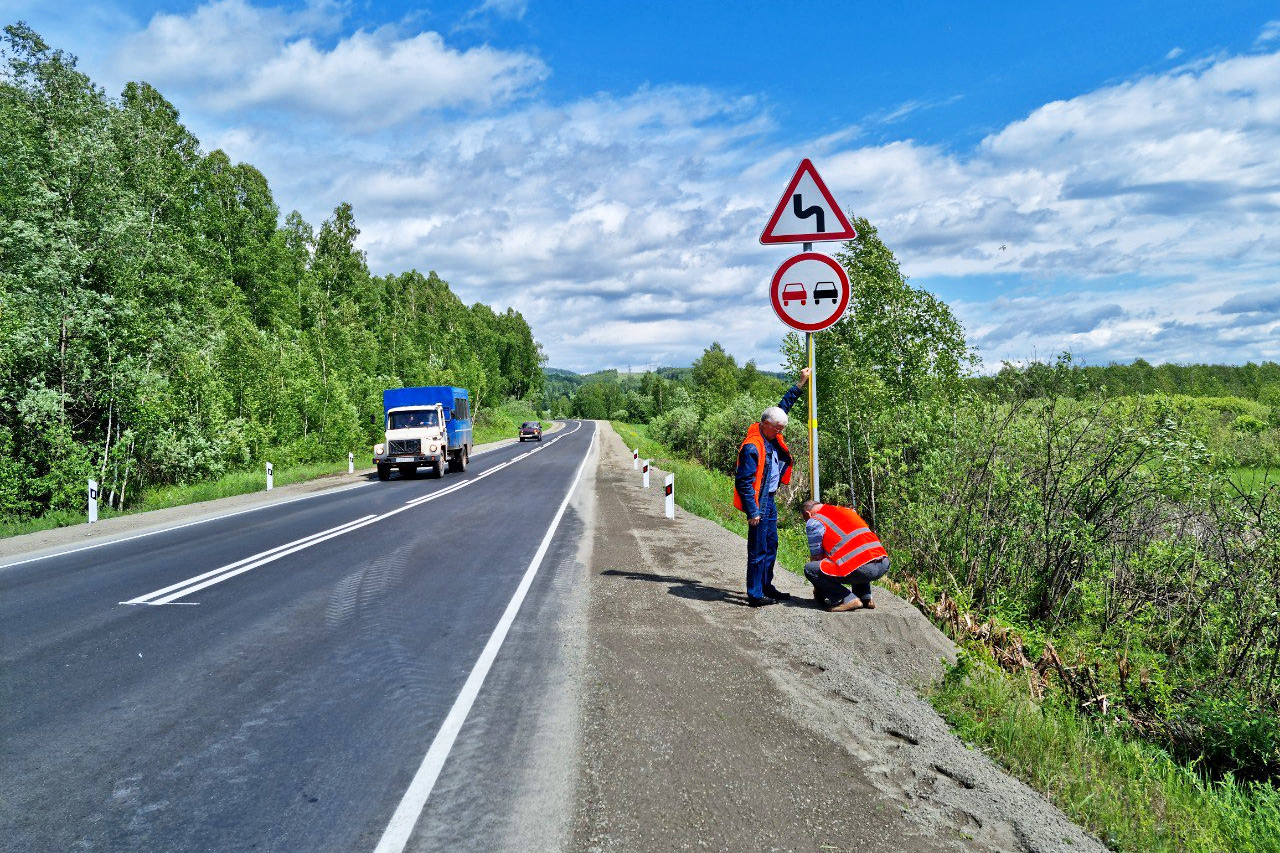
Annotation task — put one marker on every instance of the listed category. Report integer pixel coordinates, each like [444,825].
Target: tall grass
[1131,795]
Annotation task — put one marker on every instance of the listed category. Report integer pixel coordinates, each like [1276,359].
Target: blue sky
[1099,177]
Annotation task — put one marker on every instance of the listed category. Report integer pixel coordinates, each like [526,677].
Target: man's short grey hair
[774,415]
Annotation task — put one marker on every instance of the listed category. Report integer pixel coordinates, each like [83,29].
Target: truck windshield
[412,420]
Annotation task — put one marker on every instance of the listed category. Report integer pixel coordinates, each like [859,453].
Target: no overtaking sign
[810,291]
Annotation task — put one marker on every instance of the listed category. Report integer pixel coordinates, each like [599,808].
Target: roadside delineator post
[93,501]
[270,479]
[671,496]
[645,469]
[351,463]
[635,459]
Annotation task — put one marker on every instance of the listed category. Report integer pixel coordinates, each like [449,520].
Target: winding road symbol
[804,211]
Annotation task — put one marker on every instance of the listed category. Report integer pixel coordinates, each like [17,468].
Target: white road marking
[396,836]
[190,585]
[171,593]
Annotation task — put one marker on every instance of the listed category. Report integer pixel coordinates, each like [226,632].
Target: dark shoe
[869,604]
[845,606]
[762,601]
[776,594]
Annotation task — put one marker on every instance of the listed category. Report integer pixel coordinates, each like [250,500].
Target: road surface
[275,679]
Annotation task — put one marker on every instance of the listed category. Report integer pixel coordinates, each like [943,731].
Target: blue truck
[427,426]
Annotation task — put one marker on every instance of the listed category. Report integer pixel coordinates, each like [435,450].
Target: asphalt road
[273,680]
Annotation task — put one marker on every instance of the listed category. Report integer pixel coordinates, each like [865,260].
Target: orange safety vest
[848,540]
[755,438]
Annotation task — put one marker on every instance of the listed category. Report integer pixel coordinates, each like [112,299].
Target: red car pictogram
[792,292]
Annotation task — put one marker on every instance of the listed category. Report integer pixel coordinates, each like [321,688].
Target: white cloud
[234,55]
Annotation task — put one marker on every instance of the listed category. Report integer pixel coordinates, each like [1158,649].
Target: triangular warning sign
[807,213]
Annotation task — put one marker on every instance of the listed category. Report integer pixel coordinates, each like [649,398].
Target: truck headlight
[377,450]
[433,448]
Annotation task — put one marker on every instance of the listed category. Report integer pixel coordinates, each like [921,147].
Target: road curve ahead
[324,674]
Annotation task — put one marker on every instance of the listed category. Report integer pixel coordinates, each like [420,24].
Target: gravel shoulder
[710,725]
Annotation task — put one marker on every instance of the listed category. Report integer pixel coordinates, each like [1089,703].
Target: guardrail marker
[270,479]
[635,459]
[93,501]
[671,496]
[645,469]
[351,463]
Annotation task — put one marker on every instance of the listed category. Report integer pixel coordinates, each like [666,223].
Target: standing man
[764,463]
[845,557]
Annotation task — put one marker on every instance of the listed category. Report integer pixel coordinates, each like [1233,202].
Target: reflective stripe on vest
[842,561]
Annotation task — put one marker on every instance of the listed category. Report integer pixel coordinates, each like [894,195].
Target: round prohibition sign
[810,291]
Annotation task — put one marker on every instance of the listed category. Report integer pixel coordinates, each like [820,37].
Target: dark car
[531,429]
[826,290]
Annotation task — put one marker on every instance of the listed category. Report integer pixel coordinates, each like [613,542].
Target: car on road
[825,290]
[792,292]
[531,430]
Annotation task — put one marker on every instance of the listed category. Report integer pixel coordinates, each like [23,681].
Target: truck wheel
[437,470]
[384,472]
[408,470]
[458,461]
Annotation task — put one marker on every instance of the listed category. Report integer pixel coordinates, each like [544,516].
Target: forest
[158,323]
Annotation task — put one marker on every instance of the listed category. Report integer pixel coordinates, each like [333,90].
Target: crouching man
[845,557]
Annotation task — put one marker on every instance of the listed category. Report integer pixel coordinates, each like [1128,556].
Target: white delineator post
[635,459]
[671,495]
[270,479]
[351,463]
[645,469]
[93,501]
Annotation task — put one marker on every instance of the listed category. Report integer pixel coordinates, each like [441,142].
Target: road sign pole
[810,344]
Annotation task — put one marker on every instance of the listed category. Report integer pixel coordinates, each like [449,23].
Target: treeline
[158,324]
[1063,377]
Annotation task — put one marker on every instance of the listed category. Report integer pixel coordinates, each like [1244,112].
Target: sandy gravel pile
[711,725]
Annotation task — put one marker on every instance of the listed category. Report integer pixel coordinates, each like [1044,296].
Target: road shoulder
[710,725]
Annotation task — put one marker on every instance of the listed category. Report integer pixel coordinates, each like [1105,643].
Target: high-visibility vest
[755,437]
[848,540]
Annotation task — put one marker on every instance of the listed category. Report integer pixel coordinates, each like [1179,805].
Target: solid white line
[306,540]
[396,836]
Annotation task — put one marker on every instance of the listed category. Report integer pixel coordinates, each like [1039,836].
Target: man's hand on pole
[804,377]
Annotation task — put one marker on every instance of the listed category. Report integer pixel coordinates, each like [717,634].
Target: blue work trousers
[762,548]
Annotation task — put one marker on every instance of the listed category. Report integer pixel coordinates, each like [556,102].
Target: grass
[1131,795]
[1254,480]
